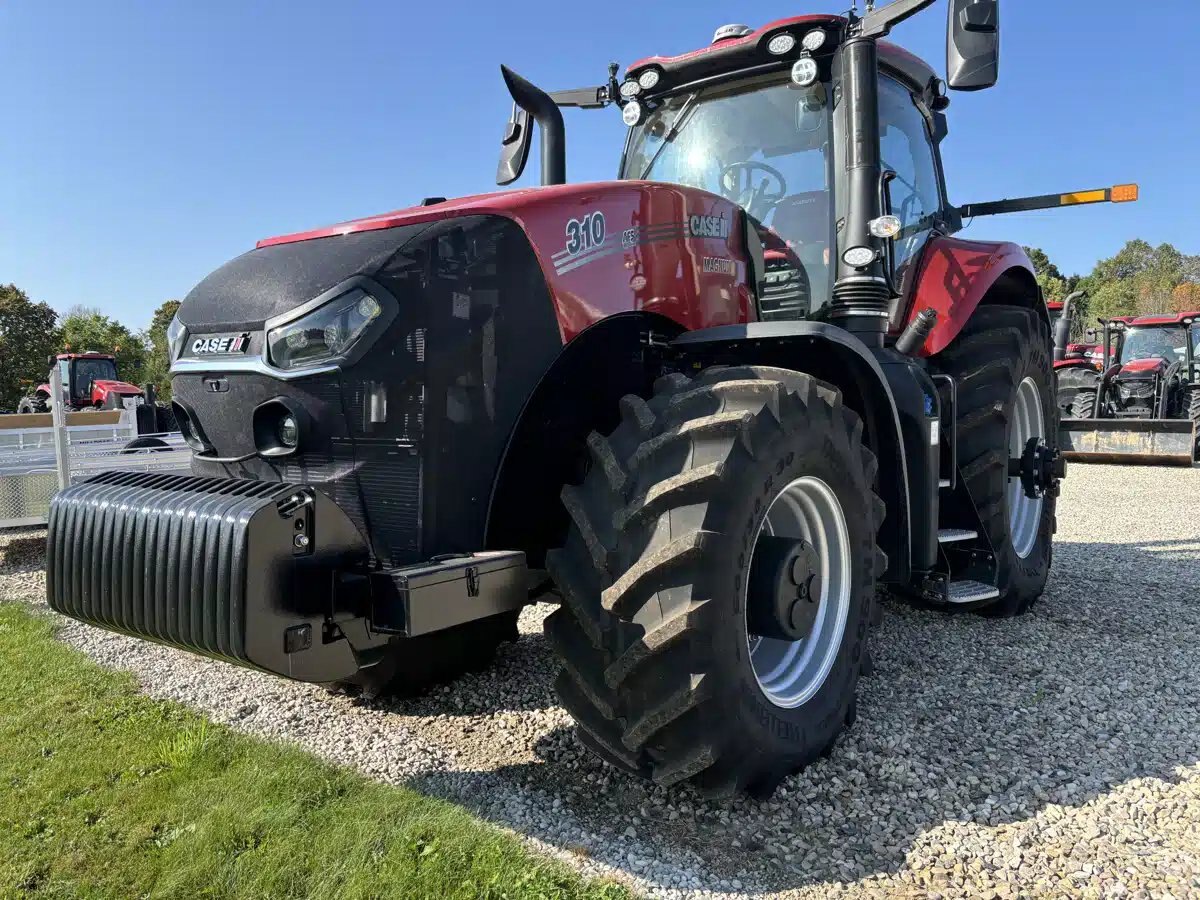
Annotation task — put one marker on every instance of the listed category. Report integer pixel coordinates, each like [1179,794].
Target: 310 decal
[586,233]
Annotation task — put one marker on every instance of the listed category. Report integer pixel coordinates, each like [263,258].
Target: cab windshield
[1169,343]
[763,143]
[89,370]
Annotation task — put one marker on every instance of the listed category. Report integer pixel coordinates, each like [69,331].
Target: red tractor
[90,380]
[1143,403]
[709,407]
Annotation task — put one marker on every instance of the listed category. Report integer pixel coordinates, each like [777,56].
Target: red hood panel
[612,247]
[1143,366]
[504,203]
[104,386]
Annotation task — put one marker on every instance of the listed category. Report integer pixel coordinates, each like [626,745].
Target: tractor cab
[91,381]
[773,143]
[1166,343]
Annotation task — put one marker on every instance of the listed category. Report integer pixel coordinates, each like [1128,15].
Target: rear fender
[889,393]
[956,276]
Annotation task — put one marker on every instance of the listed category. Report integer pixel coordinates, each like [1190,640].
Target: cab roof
[733,54]
[1139,321]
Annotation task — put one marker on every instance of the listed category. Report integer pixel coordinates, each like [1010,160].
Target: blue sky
[148,142]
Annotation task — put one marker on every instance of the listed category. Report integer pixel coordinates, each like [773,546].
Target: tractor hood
[285,272]
[102,387]
[1143,368]
[602,248]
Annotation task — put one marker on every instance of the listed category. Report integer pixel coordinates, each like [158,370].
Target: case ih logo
[709,226]
[226,344]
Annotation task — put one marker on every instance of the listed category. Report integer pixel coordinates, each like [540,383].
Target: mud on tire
[652,633]
[998,349]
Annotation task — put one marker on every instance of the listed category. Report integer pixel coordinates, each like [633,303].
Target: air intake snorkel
[531,102]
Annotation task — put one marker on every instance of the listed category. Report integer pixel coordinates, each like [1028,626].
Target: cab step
[944,483]
[953,535]
[971,592]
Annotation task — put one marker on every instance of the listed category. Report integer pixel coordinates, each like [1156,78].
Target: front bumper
[269,575]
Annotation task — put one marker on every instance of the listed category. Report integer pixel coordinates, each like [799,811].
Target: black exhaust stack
[1062,331]
[532,101]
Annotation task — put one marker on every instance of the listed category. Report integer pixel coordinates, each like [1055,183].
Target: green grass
[106,793]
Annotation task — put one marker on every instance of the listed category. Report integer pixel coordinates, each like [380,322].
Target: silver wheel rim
[789,673]
[1024,513]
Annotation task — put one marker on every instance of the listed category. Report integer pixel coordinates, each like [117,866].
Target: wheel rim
[789,673]
[1024,513]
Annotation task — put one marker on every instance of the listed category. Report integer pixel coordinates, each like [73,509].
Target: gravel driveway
[1049,755]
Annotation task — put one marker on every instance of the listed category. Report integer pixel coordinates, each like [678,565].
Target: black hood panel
[261,284]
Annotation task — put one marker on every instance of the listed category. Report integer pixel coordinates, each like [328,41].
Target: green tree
[28,335]
[158,356]
[1041,263]
[1141,279]
[85,328]
[1055,286]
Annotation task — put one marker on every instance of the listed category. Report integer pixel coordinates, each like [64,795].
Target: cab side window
[907,149]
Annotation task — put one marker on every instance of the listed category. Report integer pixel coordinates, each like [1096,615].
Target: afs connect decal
[587,239]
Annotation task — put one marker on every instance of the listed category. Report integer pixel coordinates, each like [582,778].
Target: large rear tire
[1083,406]
[1002,363]
[1076,392]
[660,669]
[1192,411]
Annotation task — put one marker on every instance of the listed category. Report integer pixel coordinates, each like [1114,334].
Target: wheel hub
[785,588]
[1040,468]
[797,596]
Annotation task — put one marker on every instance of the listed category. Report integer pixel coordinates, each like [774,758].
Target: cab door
[908,150]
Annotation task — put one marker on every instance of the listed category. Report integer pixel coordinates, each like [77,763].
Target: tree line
[31,331]
[1140,280]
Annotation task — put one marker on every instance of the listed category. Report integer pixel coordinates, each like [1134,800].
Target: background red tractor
[1143,403]
[90,380]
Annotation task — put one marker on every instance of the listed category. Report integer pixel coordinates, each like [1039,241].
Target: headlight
[326,333]
[175,336]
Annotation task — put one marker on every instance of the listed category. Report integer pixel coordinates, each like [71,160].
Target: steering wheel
[760,200]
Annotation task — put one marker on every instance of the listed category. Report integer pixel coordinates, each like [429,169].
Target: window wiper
[684,113]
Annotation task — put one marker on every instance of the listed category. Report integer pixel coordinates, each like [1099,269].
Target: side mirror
[973,45]
[514,147]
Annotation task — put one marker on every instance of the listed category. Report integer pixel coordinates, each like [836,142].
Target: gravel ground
[1056,754]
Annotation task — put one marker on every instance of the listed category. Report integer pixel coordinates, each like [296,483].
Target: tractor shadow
[966,720]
